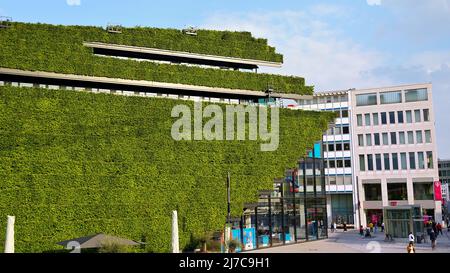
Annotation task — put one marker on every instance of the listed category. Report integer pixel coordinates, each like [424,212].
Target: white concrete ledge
[182,54]
[143,83]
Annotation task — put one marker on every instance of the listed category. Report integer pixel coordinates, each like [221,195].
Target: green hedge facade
[41,47]
[76,163]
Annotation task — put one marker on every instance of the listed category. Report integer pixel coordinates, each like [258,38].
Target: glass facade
[391,97]
[366,99]
[372,192]
[423,191]
[397,191]
[294,212]
[399,221]
[416,95]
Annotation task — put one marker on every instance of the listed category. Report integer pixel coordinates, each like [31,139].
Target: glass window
[427,136]
[367,119]
[361,140]
[362,163]
[393,138]
[329,99]
[359,119]
[339,180]
[347,163]
[332,180]
[385,139]
[376,137]
[410,137]
[331,147]
[408,116]
[378,161]
[332,164]
[430,160]
[345,113]
[417,116]
[337,130]
[419,137]
[387,166]
[423,191]
[345,130]
[369,162]
[401,137]
[426,115]
[368,140]
[372,192]
[397,191]
[383,118]
[375,118]
[391,97]
[421,160]
[366,99]
[395,161]
[338,147]
[346,146]
[416,95]
[403,161]
[392,117]
[400,116]
[347,180]
[339,163]
[412,160]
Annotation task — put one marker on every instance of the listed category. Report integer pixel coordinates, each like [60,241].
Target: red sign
[393,203]
[437,191]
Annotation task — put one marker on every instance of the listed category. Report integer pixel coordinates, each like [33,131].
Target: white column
[175,242]
[9,243]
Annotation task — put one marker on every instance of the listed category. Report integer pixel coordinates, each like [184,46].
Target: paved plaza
[351,242]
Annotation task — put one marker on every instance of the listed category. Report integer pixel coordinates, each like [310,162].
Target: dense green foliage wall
[76,163]
[41,47]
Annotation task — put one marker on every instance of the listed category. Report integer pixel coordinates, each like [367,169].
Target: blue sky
[333,44]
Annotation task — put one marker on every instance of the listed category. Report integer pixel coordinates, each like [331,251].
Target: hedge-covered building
[78,163]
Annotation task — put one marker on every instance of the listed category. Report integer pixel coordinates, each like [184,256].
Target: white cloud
[373,2]
[73,2]
[311,48]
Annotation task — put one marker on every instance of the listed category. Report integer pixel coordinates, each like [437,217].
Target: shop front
[294,212]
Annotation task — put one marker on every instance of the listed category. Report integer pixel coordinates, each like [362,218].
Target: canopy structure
[98,240]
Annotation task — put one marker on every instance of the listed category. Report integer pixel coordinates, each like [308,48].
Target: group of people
[433,230]
[333,226]
[371,228]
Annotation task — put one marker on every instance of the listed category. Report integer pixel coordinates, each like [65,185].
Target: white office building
[394,150]
[381,153]
[337,156]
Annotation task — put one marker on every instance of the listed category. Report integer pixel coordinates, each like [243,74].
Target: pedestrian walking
[375,227]
[439,228]
[332,227]
[361,230]
[345,226]
[411,238]
[368,235]
[382,227]
[410,248]
[335,226]
[434,228]
[433,239]
[371,227]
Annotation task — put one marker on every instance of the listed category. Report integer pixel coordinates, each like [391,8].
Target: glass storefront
[294,212]
[403,219]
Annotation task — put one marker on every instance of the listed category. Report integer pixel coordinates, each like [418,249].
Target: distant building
[381,152]
[394,150]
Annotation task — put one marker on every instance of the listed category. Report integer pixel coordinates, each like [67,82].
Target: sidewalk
[351,242]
